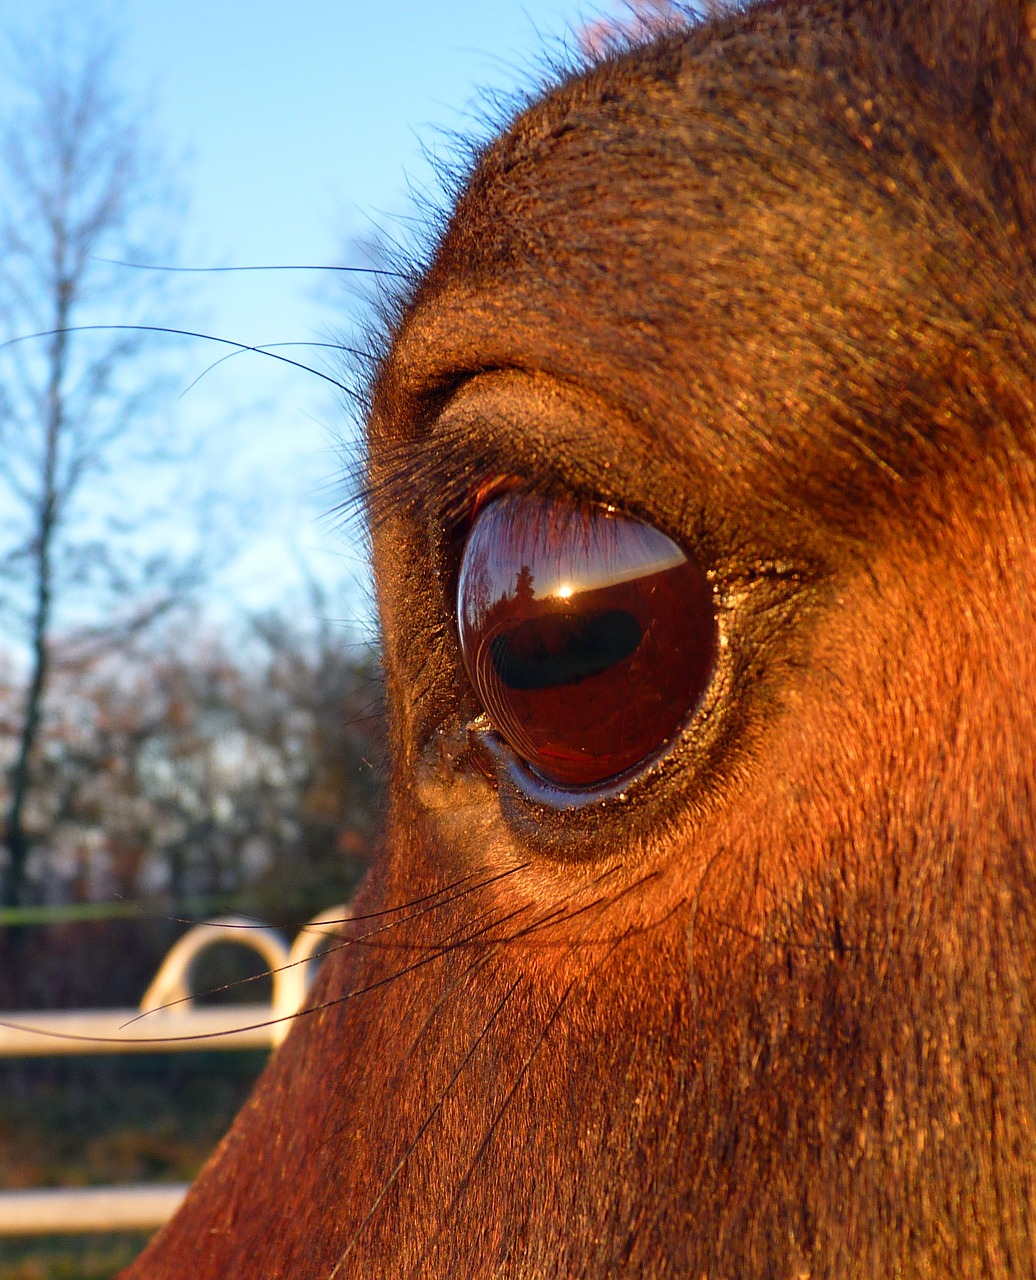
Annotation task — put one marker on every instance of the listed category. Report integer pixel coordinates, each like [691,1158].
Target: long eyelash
[416,469]
[445,471]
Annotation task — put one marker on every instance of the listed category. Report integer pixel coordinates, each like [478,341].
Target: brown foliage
[190,767]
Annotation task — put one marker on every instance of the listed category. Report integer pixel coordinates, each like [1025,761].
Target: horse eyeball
[589,637]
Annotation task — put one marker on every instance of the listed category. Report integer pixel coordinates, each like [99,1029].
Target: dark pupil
[589,637]
[550,651]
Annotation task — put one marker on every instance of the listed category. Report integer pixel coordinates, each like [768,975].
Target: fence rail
[86,1209]
[167,1020]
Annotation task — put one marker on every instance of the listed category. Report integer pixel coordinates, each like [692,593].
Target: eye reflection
[589,637]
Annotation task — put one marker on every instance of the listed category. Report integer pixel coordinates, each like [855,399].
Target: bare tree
[81,191]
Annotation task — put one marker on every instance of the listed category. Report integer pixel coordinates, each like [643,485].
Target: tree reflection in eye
[589,637]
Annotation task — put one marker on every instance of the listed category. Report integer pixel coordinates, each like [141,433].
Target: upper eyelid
[564,441]
[571,443]
[440,473]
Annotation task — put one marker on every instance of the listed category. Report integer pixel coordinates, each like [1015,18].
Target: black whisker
[264,349]
[280,266]
[516,1084]
[426,899]
[437,1106]
[462,1186]
[187,333]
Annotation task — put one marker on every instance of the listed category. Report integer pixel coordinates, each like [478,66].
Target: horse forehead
[655,238]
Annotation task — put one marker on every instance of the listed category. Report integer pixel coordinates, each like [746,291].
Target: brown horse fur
[769,284]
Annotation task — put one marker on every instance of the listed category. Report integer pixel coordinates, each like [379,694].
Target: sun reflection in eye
[564,591]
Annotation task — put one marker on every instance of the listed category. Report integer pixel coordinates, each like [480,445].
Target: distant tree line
[185,768]
[188,776]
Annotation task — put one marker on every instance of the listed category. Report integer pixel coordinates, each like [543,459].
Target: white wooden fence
[167,1020]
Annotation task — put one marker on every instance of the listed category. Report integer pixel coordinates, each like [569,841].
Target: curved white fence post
[298,973]
[170,988]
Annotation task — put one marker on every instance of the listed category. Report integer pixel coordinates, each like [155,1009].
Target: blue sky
[296,129]
[303,122]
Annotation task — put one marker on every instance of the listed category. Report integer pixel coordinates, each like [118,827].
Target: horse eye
[589,637]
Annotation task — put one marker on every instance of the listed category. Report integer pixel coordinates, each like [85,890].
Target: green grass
[96,1257]
[100,1121]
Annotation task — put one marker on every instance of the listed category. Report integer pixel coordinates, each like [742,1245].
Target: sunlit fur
[768,284]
